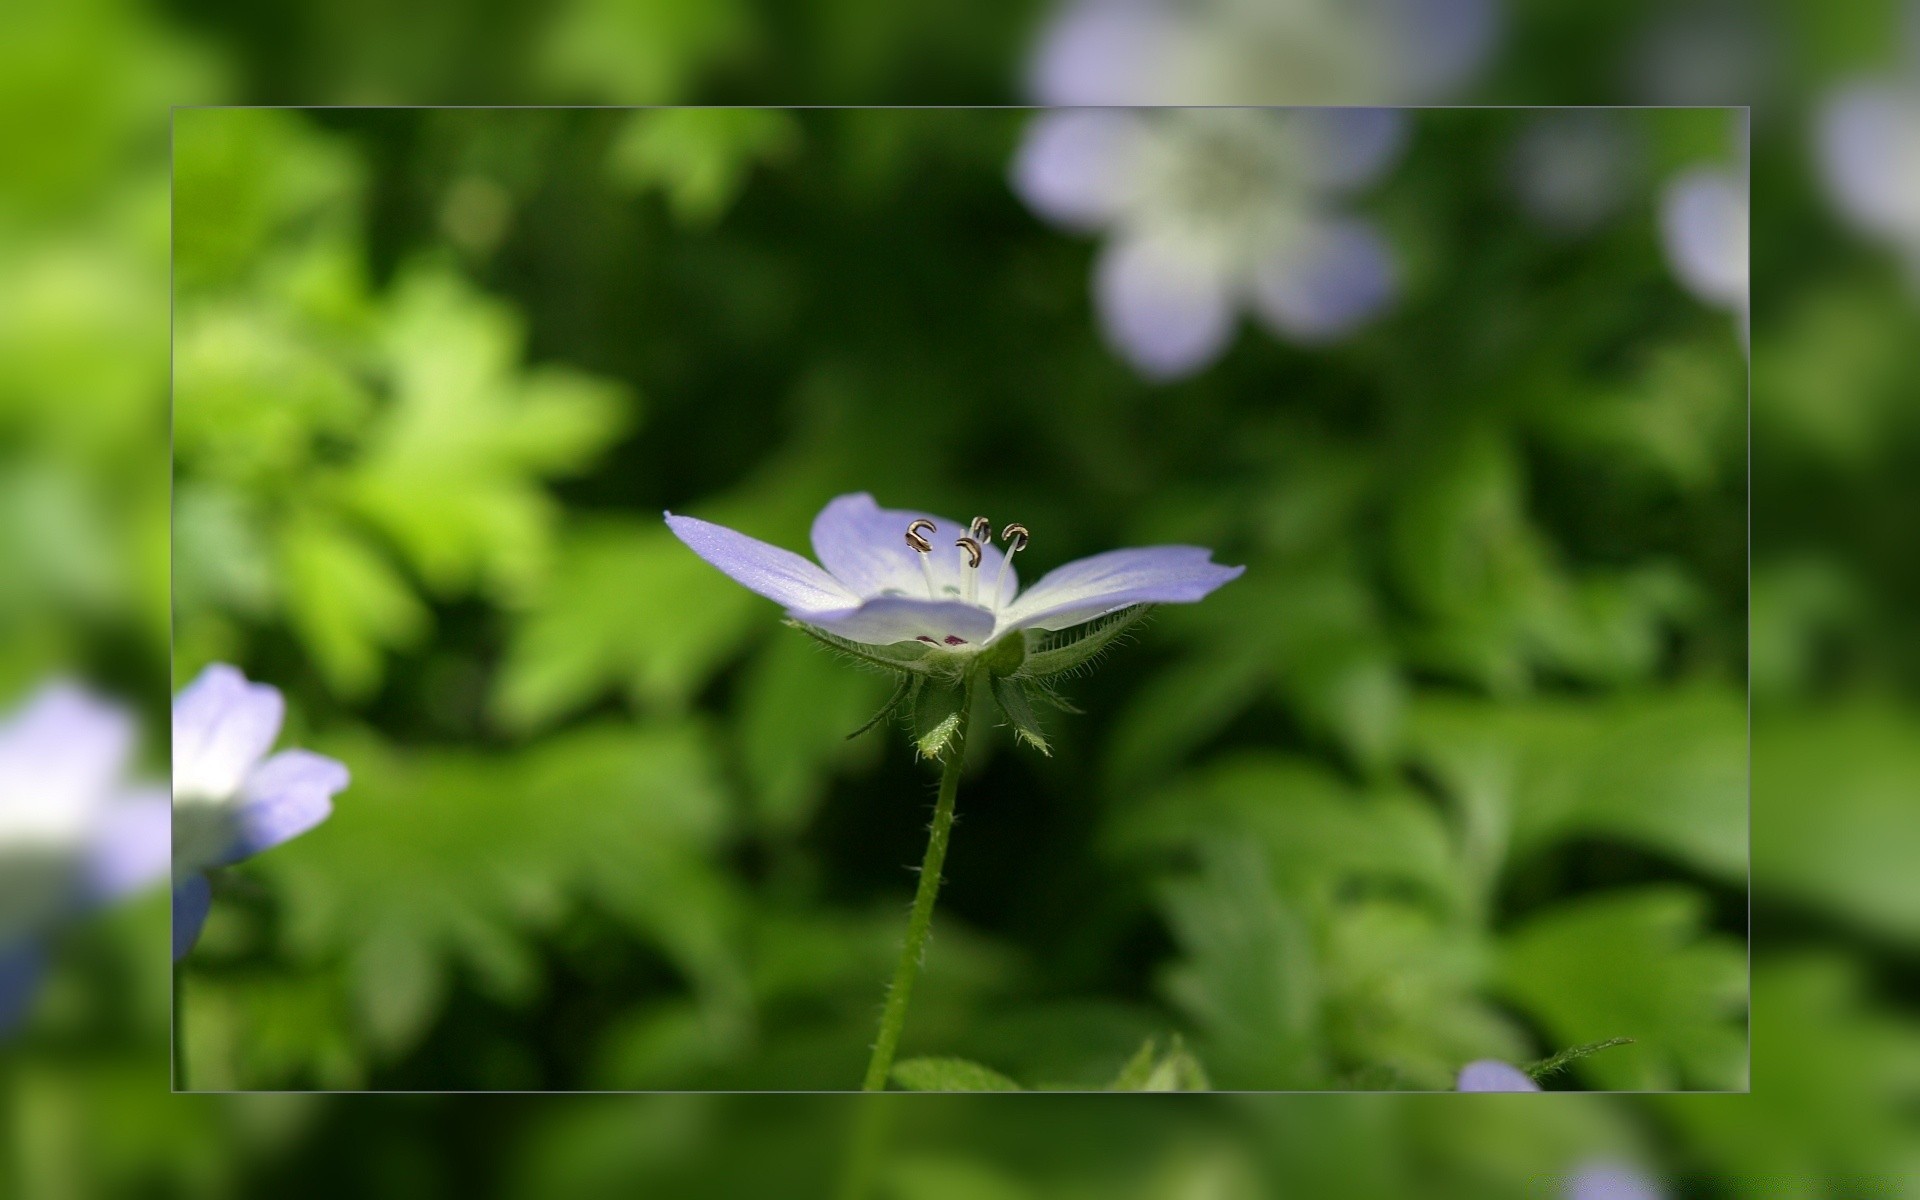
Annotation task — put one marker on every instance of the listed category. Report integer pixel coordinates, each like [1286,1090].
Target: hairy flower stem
[894,1016]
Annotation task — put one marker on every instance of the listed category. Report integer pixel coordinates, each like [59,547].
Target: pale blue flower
[1213,52]
[939,605]
[1211,212]
[1705,218]
[872,587]
[74,835]
[231,801]
[1573,169]
[1492,1075]
[1604,1180]
[1868,136]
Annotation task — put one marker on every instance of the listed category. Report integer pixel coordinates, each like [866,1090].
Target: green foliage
[699,157]
[1680,995]
[625,607]
[950,1075]
[1456,771]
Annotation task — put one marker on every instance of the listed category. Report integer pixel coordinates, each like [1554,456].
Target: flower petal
[130,847]
[1870,157]
[192,899]
[287,795]
[1612,1181]
[1492,1075]
[1165,308]
[1075,167]
[222,726]
[780,575]
[1348,148]
[1440,44]
[1703,221]
[1101,52]
[1328,283]
[1083,590]
[890,619]
[865,547]
[20,969]
[61,755]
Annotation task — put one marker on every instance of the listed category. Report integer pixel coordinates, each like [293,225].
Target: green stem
[179,1027]
[894,1016]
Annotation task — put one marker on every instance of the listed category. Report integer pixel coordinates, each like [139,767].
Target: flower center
[972,547]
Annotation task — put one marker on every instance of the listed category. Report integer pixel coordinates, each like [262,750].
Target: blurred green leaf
[627,607]
[1834,794]
[699,157]
[798,703]
[1665,770]
[1636,964]
[443,860]
[451,471]
[950,1075]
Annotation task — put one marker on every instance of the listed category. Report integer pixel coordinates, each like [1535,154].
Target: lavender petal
[1612,1181]
[222,725]
[130,847]
[1348,148]
[890,619]
[1166,310]
[1104,52]
[285,796]
[1492,1075]
[780,575]
[865,547]
[1103,583]
[1333,280]
[1074,166]
[1703,222]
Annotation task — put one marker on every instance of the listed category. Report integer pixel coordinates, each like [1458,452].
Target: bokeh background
[1502,667]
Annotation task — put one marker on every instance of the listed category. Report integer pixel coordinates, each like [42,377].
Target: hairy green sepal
[933,680]
[1071,650]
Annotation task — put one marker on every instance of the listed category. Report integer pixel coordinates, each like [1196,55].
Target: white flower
[73,833]
[1210,212]
[229,804]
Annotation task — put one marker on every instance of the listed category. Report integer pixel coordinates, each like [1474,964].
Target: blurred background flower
[75,833]
[1212,211]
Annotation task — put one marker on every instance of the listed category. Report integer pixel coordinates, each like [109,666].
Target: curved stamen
[982,530]
[924,548]
[917,539]
[1015,536]
[972,550]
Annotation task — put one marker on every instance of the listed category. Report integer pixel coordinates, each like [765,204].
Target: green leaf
[1247,976]
[628,607]
[345,602]
[1665,770]
[796,705]
[1833,812]
[1150,1071]
[699,157]
[453,469]
[950,1075]
[439,861]
[1636,964]
[1319,832]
